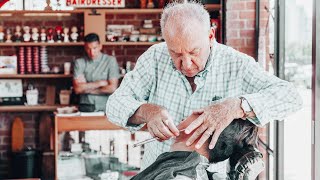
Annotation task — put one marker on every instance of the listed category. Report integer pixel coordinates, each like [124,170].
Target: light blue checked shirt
[228,73]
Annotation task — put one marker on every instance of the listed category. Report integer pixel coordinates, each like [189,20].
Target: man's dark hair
[239,137]
[92,37]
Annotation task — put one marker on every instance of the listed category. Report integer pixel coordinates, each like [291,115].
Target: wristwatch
[245,107]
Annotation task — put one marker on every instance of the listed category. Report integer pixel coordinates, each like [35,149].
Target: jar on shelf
[65,97]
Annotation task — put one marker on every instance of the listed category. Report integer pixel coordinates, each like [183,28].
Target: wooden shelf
[133,11]
[79,44]
[30,76]
[41,44]
[111,11]
[27,108]
[83,123]
[211,7]
[23,12]
[152,11]
[59,13]
[129,43]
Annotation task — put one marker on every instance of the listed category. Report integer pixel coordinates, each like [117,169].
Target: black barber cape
[170,164]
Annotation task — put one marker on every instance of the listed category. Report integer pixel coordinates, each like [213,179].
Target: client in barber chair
[237,142]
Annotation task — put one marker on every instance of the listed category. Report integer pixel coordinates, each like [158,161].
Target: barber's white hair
[183,12]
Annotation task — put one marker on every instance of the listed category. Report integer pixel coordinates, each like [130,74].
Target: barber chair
[245,164]
[238,142]
[246,167]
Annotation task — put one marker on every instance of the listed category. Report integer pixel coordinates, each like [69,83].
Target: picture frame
[8,65]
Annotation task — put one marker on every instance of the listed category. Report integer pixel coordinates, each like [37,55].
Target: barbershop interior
[75,74]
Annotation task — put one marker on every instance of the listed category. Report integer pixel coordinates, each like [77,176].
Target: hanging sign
[95,3]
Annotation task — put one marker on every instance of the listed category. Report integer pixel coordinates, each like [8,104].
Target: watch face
[11,88]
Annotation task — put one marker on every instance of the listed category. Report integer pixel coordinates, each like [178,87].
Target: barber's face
[93,49]
[190,52]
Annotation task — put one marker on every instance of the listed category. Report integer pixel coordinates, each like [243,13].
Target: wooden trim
[133,11]
[30,76]
[26,179]
[41,12]
[41,44]
[212,7]
[28,108]
[129,43]
[56,148]
[111,11]
[17,44]
[83,123]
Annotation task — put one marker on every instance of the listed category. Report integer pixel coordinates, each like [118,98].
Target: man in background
[95,75]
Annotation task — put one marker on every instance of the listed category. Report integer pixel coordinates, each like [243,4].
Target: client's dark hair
[92,37]
[238,138]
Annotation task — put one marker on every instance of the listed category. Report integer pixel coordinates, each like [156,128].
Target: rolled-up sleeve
[270,97]
[132,93]
[78,68]
[113,69]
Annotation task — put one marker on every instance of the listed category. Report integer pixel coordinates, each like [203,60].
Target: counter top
[82,123]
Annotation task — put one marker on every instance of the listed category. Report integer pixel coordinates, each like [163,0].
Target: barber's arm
[268,97]
[159,122]
[128,106]
[213,120]
[131,94]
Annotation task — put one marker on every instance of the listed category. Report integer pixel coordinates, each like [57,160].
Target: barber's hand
[159,123]
[213,119]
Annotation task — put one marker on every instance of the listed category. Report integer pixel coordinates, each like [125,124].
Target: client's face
[180,141]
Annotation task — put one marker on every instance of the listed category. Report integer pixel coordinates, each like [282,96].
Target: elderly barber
[191,73]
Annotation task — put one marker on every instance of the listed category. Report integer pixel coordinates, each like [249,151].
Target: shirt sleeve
[133,92]
[270,97]
[114,69]
[78,68]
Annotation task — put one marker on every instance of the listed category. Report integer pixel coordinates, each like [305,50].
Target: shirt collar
[98,59]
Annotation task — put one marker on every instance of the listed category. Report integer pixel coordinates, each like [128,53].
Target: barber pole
[95,3]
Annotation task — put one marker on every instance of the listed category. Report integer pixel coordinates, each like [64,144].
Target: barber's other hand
[213,120]
[159,122]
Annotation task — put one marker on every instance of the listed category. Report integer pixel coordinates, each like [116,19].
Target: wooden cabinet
[80,123]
